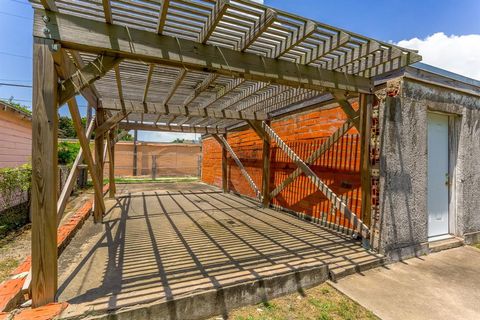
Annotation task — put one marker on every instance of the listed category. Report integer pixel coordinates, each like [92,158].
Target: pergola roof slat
[190,60]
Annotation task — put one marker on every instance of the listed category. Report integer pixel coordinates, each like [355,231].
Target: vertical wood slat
[266,171]
[366,102]
[44,175]
[111,163]
[224,167]
[98,211]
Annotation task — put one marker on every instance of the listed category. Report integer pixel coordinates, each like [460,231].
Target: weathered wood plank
[84,143]
[171,128]
[224,167]
[214,18]
[98,37]
[111,122]
[98,204]
[86,76]
[223,142]
[72,177]
[111,163]
[44,175]
[365,110]
[160,109]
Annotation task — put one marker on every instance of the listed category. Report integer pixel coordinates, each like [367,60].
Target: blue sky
[436,24]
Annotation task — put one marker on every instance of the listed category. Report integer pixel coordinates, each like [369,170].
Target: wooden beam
[72,177]
[135,151]
[161,109]
[257,127]
[44,175]
[327,144]
[296,37]
[366,102]
[162,16]
[151,67]
[336,201]
[86,76]
[107,11]
[325,47]
[214,18]
[66,68]
[200,88]
[170,128]
[111,163]
[178,81]
[49,5]
[353,115]
[265,21]
[222,141]
[85,144]
[224,167]
[110,123]
[98,204]
[98,37]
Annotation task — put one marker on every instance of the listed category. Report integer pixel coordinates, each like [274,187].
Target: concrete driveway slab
[444,285]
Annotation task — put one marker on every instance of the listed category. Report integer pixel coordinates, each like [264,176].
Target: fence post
[154,166]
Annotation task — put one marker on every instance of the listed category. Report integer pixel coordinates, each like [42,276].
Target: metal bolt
[45,19]
[46,31]
[55,47]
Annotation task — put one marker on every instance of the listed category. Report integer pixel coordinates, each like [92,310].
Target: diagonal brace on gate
[224,143]
[336,201]
[314,156]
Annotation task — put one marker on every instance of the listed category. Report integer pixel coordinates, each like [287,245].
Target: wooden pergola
[199,66]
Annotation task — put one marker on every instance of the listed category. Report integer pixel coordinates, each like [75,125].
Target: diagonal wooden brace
[84,143]
[336,201]
[86,76]
[314,156]
[223,142]
[72,176]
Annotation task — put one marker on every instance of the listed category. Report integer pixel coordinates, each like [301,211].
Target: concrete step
[445,244]
[341,272]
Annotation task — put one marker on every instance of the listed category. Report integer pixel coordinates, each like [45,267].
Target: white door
[438,183]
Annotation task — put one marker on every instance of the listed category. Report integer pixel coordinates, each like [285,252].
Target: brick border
[11,289]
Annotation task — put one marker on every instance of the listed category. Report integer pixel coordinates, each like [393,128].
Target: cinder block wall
[339,167]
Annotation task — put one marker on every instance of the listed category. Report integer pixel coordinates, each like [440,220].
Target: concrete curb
[212,302]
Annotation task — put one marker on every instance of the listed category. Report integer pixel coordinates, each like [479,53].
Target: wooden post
[99,151]
[365,104]
[224,168]
[44,175]
[135,137]
[111,163]
[266,171]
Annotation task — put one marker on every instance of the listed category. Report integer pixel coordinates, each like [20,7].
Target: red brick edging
[11,289]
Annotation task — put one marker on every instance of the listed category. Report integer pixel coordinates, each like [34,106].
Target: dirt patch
[319,303]
[16,246]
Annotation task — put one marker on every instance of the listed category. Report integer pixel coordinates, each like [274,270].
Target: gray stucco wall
[403,166]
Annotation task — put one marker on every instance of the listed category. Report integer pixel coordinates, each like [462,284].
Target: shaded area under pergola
[159,246]
[199,66]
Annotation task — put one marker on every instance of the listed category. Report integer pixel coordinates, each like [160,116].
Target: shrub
[15,185]
[67,152]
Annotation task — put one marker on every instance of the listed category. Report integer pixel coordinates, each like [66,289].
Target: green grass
[319,303]
[477,245]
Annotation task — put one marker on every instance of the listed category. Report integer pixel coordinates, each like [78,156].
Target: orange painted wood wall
[339,167]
